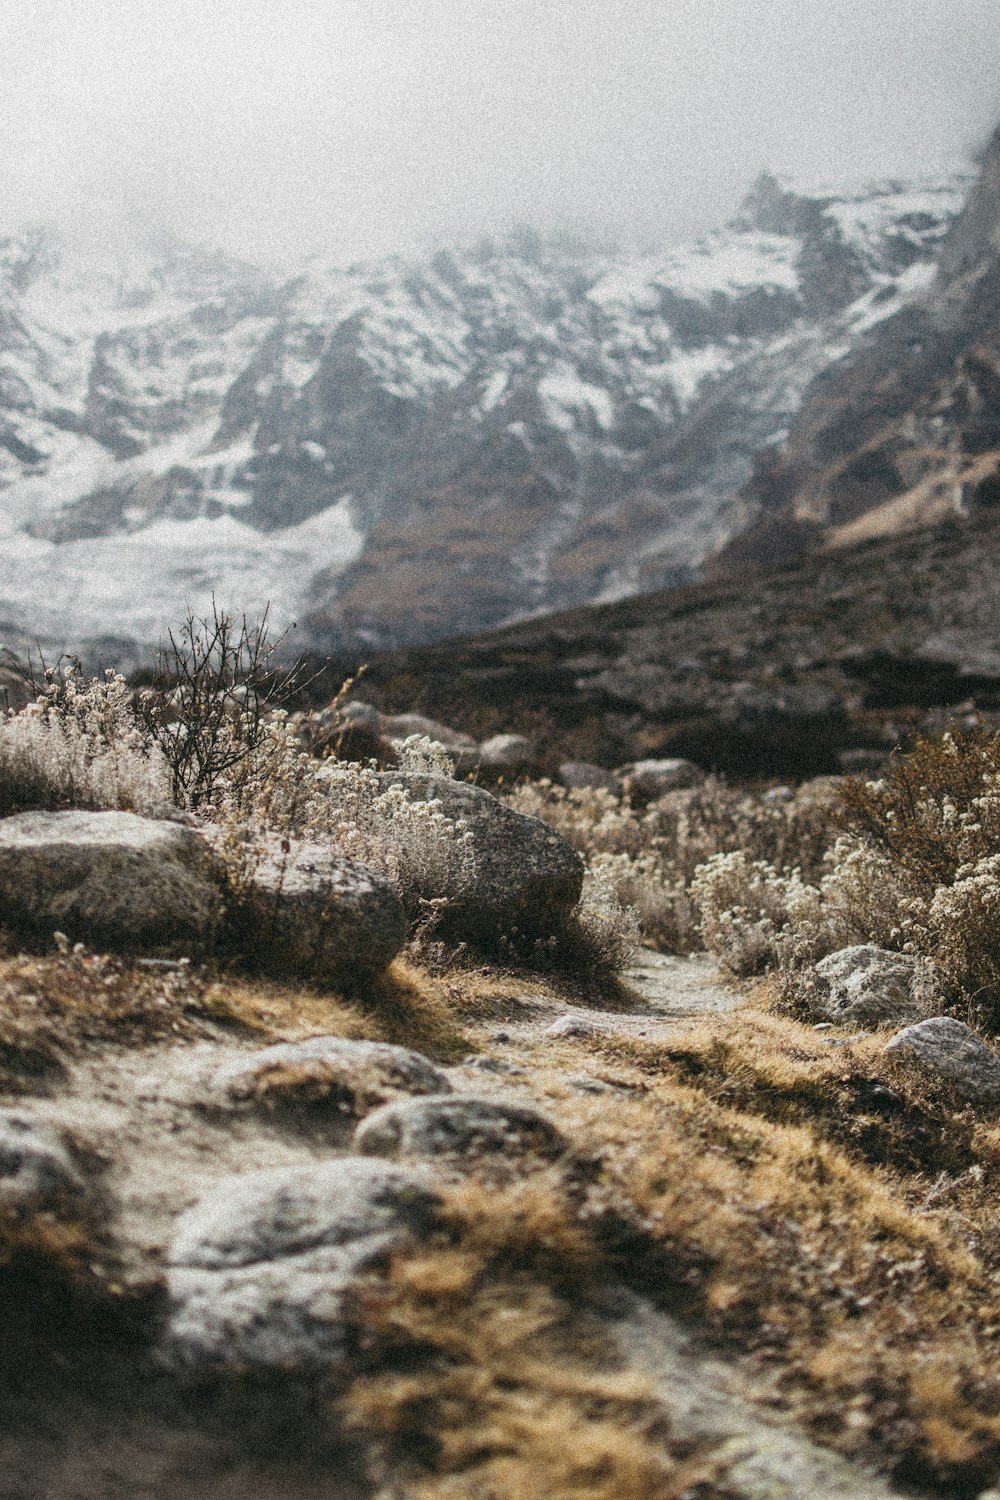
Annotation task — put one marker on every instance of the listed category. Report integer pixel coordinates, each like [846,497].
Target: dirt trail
[147,1113]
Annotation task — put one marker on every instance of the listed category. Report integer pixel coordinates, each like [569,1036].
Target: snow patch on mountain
[519,425]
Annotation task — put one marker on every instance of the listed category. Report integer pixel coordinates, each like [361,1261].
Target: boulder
[581,775]
[402,726]
[259,1271]
[313,913]
[868,986]
[645,780]
[508,755]
[526,880]
[36,1171]
[109,879]
[953,1050]
[329,1075]
[462,1126]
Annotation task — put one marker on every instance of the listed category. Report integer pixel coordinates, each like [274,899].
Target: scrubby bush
[930,830]
[218,678]
[80,745]
[653,857]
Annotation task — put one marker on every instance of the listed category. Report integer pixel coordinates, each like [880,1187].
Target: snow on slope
[183,424]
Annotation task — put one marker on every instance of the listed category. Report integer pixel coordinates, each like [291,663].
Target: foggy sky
[279,128]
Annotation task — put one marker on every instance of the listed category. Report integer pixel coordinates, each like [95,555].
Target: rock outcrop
[260,1267]
[525,878]
[110,879]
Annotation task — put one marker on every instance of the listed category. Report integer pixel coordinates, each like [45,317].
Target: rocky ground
[808,669]
[373,1161]
[156,1132]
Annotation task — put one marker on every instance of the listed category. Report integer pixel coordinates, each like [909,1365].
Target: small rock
[508,754]
[36,1171]
[357,712]
[260,1268]
[458,1125]
[953,1050]
[645,780]
[571,1026]
[109,879]
[587,1085]
[316,914]
[329,1073]
[487,1064]
[582,775]
[863,762]
[403,726]
[868,986]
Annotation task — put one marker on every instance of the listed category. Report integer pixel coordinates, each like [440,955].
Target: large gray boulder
[953,1050]
[459,1126]
[37,1173]
[109,879]
[331,1076]
[526,878]
[313,913]
[260,1269]
[868,986]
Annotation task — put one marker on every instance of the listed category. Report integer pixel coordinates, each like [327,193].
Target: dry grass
[489,1376]
[739,1185]
[53,1008]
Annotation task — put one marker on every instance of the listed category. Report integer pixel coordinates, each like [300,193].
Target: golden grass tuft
[489,1376]
[867,1306]
[53,1008]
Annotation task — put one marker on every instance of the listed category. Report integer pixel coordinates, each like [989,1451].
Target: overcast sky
[284,127]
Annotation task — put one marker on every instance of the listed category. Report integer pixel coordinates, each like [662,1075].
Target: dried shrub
[651,856]
[935,810]
[218,679]
[79,745]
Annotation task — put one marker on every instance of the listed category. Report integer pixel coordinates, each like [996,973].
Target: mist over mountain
[406,449]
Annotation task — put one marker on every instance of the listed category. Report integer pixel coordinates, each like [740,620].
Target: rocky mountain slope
[826,662]
[399,451]
[906,428]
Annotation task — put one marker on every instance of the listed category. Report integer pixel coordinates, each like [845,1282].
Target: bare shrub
[219,677]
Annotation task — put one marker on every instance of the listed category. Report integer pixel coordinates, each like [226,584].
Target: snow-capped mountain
[402,450]
[905,430]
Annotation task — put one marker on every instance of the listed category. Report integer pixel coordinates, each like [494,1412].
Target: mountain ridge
[401,451]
